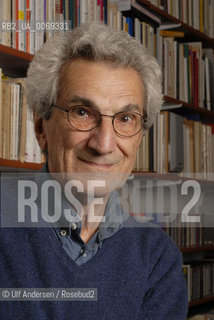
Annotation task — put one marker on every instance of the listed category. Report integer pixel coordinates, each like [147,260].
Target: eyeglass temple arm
[55,106]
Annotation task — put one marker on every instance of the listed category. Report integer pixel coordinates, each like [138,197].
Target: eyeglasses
[85,118]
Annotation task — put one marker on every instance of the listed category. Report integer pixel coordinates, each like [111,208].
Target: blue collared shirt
[68,233]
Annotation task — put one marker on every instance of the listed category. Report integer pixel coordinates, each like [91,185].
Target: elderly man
[93,91]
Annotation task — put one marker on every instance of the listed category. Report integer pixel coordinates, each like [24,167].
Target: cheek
[73,140]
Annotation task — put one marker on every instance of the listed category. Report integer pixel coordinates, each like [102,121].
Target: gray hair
[94,42]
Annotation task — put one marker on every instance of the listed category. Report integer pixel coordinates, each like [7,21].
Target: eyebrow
[91,103]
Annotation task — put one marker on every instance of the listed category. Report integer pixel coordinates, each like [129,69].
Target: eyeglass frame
[101,115]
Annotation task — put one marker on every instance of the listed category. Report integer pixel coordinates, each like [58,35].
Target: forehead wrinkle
[93,104]
[115,89]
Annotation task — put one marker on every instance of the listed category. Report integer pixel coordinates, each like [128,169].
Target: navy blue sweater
[137,274]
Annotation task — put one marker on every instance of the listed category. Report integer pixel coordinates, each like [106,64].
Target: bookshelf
[14,63]
[206,116]
[197,249]
[200,301]
[189,30]
[5,163]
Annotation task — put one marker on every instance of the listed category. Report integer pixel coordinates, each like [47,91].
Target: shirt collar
[113,211]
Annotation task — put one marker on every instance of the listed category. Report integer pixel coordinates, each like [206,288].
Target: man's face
[100,151]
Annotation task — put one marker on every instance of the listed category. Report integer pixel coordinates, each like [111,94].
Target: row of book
[177,144]
[186,236]
[196,13]
[26,24]
[200,278]
[187,68]
[188,72]
[17,138]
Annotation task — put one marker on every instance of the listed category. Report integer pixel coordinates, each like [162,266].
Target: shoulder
[150,246]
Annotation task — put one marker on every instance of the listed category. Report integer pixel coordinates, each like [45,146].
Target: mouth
[97,164]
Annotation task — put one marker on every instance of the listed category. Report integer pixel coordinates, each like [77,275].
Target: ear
[39,128]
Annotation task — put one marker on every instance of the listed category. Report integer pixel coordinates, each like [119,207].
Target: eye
[81,112]
[126,117]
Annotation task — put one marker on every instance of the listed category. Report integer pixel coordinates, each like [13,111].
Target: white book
[39,17]
[207,83]
[185,80]
[137,28]
[98,11]
[91,10]
[184,11]
[158,46]
[83,11]
[142,154]
[194,17]
[169,8]
[21,31]
[197,147]
[181,72]
[13,121]
[165,65]
[175,68]
[209,155]
[212,152]
[186,145]
[17,138]
[203,164]
[32,22]
[119,19]
[190,12]
[151,40]
[197,15]
[211,18]
[67,10]
[13,19]
[202,83]
[160,147]
[50,17]
[6,17]
[29,148]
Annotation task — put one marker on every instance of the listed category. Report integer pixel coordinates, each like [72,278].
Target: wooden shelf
[20,165]
[197,248]
[201,301]
[170,176]
[14,63]
[206,116]
[191,33]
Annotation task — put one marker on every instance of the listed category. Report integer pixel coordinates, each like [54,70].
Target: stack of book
[195,13]
[17,138]
[26,24]
[198,275]
[177,144]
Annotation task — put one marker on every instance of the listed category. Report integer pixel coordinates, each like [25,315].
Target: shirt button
[73,226]
[63,232]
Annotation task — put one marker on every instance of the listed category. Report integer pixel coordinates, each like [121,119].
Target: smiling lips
[97,164]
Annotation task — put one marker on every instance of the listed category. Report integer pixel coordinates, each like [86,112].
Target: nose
[103,137]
